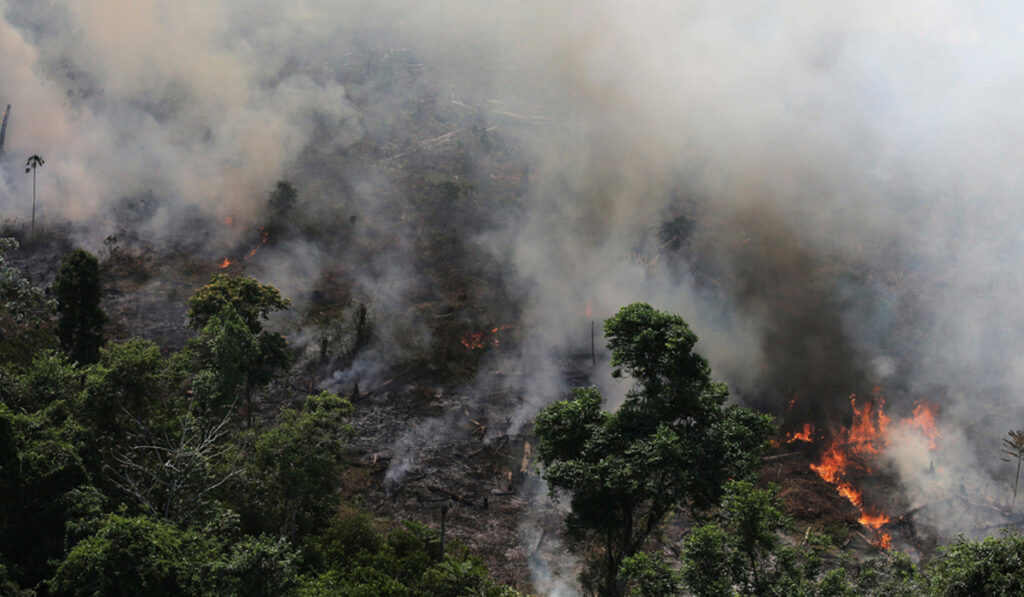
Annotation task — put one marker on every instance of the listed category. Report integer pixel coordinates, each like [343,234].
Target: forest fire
[264,237]
[851,448]
[485,338]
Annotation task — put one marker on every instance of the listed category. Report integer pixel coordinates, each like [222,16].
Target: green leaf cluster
[669,445]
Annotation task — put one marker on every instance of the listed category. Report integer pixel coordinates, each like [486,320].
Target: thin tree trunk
[1016,482]
[33,202]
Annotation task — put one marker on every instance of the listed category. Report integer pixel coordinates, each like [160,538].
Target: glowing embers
[485,338]
[851,448]
[264,236]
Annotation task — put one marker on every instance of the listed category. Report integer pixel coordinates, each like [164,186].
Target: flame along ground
[851,449]
[264,236]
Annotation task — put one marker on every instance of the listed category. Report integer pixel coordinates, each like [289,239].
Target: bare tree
[1013,448]
[34,161]
[171,476]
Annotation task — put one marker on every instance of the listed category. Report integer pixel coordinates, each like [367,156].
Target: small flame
[804,435]
[485,338]
[229,220]
[924,421]
[264,237]
[589,310]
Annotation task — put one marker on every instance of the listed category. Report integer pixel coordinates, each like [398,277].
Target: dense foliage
[139,473]
[128,472]
[78,292]
[671,443]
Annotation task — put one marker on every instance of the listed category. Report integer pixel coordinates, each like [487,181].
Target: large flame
[852,447]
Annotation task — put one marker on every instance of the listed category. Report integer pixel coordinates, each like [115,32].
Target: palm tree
[1013,448]
[34,161]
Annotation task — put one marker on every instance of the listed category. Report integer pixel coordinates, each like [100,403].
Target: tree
[291,486]
[990,567]
[39,466]
[669,445]
[252,301]
[173,476]
[233,354]
[34,161]
[1013,447]
[650,576]
[742,553]
[134,556]
[81,319]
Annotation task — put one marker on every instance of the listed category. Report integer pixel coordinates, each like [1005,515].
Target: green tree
[130,556]
[252,301]
[743,552]
[260,567]
[81,319]
[706,562]
[650,576]
[990,567]
[39,467]
[294,468]
[754,519]
[670,444]
[233,354]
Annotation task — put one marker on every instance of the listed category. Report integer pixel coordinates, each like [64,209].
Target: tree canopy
[670,444]
[78,292]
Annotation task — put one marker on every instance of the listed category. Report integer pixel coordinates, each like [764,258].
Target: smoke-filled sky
[846,178]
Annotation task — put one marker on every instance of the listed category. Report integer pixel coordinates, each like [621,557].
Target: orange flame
[804,435]
[264,237]
[866,437]
[924,421]
[589,310]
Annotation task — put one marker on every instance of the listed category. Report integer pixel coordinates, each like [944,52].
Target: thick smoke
[829,194]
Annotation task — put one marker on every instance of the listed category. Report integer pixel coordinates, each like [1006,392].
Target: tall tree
[34,161]
[1013,448]
[81,319]
[670,444]
[233,354]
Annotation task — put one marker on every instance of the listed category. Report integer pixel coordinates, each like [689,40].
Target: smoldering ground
[828,194]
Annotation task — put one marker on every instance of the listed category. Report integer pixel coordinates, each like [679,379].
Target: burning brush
[851,452]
